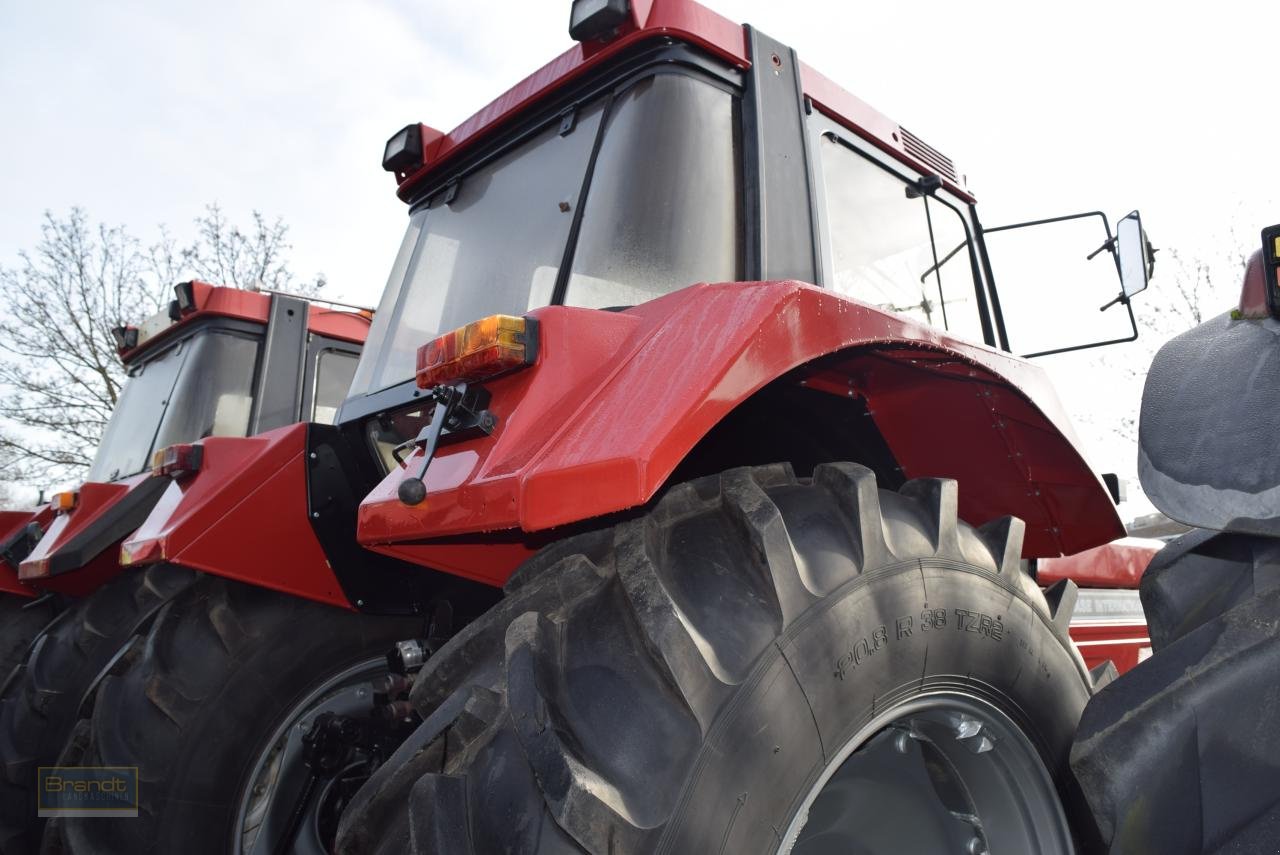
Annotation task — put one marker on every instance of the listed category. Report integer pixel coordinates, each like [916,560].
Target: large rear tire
[754,651]
[1179,755]
[227,672]
[21,620]
[41,705]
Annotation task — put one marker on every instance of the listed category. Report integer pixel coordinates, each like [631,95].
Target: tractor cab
[217,362]
[673,152]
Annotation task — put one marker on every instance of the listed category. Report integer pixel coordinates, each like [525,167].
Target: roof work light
[126,338]
[594,19]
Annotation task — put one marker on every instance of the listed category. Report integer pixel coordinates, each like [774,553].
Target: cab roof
[218,301]
[693,23]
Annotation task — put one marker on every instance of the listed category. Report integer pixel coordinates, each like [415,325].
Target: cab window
[334,370]
[894,248]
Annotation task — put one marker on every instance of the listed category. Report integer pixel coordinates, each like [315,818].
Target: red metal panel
[1123,644]
[1119,564]
[348,326]
[10,584]
[242,516]
[619,398]
[95,501]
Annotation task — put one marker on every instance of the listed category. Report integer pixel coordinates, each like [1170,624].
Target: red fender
[12,522]
[71,539]
[618,399]
[242,515]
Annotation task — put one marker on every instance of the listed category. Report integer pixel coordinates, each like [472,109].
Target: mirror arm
[1119,299]
[1109,245]
[1133,324]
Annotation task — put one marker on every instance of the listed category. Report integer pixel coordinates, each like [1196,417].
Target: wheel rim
[279,773]
[945,773]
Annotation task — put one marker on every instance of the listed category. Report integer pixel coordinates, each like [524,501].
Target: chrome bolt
[968,730]
[976,847]
[902,742]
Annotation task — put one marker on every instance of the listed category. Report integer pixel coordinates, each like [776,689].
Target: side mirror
[1133,255]
[1076,257]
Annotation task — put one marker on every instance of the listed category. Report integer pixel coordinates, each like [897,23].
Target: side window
[662,209]
[334,370]
[898,251]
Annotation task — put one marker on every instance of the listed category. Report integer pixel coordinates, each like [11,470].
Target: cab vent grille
[926,153]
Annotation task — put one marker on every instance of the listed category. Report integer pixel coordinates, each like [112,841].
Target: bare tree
[60,377]
[224,254]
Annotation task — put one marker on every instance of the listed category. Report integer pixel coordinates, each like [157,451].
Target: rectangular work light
[479,351]
[403,152]
[594,19]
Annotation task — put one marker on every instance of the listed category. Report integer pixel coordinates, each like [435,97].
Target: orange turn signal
[64,502]
[479,351]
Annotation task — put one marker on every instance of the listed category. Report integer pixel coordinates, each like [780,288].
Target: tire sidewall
[890,636]
[296,650]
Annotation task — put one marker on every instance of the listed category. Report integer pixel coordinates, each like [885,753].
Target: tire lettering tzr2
[991,627]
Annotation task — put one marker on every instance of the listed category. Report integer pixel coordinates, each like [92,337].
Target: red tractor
[219,363]
[691,469]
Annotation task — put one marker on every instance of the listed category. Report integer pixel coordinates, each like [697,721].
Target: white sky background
[143,112]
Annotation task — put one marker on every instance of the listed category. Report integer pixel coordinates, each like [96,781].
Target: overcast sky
[143,112]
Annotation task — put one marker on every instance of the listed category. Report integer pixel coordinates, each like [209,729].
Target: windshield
[201,386]
[659,211]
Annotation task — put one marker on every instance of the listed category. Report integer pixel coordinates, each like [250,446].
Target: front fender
[78,550]
[618,399]
[242,515]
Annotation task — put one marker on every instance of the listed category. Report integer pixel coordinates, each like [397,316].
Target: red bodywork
[1108,575]
[618,399]
[649,19]
[97,499]
[215,301]
[1119,564]
[1122,644]
[11,522]
[243,516]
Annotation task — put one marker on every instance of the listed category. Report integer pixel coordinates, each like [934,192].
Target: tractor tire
[41,705]
[223,667]
[689,683]
[1180,755]
[1203,575]
[21,620]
